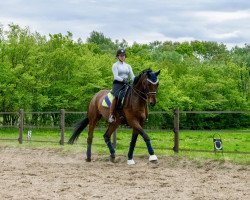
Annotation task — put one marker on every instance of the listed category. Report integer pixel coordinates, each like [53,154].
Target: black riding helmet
[120,51]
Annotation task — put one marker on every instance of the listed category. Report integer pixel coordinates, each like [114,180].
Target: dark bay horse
[133,113]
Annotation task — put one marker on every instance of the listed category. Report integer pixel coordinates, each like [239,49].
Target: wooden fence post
[21,125]
[176,130]
[62,126]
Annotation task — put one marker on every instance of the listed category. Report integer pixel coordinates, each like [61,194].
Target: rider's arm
[115,73]
[131,73]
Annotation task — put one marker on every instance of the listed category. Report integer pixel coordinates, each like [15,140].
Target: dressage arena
[56,174]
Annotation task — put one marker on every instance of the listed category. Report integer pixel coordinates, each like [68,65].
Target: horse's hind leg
[92,125]
[89,143]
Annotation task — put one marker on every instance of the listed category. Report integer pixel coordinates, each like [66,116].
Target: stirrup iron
[111,119]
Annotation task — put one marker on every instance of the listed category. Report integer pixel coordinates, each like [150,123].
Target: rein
[138,92]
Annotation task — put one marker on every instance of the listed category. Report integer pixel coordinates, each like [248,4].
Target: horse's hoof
[131,162]
[88,159]
[153,158]
[112,158]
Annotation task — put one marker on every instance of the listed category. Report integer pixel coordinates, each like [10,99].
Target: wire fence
[176,121]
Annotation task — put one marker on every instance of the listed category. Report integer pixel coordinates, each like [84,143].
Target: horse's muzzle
[152,100]
[152,103]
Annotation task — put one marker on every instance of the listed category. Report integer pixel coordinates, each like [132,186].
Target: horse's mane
[137,78]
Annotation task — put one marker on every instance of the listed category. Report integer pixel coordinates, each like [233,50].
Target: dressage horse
[133,113]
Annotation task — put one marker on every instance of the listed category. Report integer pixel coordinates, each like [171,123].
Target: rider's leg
[112,110]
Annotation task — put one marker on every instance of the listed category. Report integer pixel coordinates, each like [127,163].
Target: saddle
[107,101]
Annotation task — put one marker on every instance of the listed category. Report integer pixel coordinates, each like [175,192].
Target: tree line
[47,73]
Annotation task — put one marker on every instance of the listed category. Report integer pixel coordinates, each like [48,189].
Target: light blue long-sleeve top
[122,70]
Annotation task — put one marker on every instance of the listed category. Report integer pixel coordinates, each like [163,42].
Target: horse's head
[149,84]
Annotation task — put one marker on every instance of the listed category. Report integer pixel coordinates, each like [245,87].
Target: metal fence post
[62,126]
[176,130]
[21,125]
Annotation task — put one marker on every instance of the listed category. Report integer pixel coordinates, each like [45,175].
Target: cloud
[220,17]
[142,21]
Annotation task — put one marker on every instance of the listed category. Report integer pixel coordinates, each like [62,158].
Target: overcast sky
[143,21]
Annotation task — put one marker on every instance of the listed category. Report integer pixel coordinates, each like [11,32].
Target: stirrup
[111,118]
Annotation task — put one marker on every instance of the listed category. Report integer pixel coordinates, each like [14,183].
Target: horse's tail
[78,129]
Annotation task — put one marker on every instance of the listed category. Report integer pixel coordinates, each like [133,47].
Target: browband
[153,82]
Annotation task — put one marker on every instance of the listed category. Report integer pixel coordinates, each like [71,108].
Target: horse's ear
[148,71]
[157,73]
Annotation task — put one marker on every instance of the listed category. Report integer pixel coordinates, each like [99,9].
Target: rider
[121,71]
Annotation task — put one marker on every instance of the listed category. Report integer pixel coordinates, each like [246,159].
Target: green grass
[236,141]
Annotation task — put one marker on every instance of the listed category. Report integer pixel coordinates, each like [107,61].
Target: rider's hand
[125,80]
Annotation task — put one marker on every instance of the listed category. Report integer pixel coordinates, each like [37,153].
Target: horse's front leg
[152,156]
[132,147]
[110,146]
[137,126]
[107,135]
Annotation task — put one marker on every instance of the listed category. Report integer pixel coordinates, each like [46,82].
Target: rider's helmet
[120,51]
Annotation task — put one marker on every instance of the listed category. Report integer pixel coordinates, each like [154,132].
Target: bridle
[153,83]
[144,95]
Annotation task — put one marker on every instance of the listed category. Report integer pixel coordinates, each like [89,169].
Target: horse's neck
[136,98]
